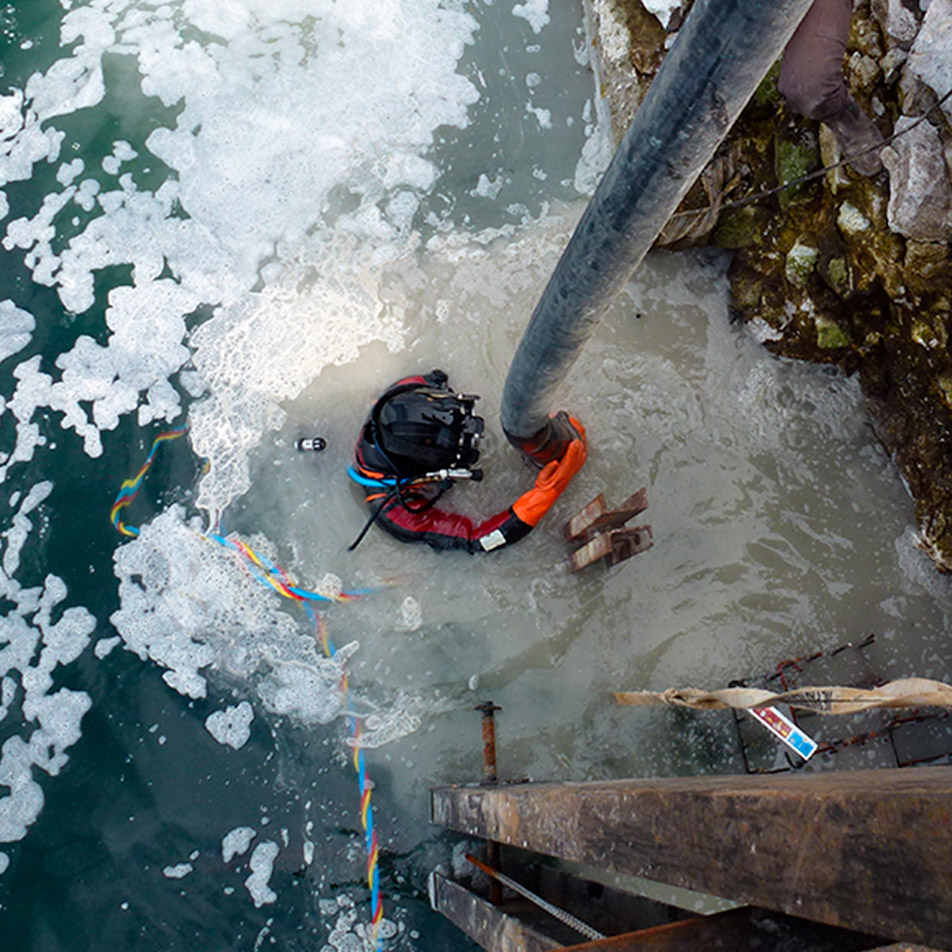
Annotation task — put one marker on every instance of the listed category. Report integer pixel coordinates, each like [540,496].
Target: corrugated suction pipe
[722,52]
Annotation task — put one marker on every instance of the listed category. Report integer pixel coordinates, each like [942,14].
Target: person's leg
[811,80]
[811,72]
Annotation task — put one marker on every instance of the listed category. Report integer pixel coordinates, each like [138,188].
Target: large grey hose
[720,56]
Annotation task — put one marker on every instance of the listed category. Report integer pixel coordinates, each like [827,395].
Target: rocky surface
[847,270]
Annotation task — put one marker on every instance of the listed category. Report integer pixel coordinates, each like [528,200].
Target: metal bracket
[604,534]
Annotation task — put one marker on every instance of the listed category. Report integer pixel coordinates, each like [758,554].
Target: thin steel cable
[810,176]
[564,917]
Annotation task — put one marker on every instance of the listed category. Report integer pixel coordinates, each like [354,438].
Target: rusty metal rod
[488,710]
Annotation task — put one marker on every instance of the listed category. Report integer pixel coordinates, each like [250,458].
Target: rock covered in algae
[841,269]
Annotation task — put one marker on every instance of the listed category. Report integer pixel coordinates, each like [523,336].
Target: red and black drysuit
[408,511]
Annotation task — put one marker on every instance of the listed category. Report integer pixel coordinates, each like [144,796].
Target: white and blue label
[781,726]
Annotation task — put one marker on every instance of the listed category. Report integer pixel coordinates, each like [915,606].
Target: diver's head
[420,426]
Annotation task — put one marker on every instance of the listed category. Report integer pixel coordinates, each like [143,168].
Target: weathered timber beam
[865,850]
[490,926]
[739,930]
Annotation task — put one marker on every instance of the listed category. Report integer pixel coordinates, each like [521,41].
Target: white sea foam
[32,647]
[543,116]
[187,604]
[236,843]
[411,614]
[381,729]
[231,726]
[18,532]
[121,152]
[262,866]
[348,934]
[16,329]
[69,171]
[268,346]
[536,12]
[105,645]
[301,691]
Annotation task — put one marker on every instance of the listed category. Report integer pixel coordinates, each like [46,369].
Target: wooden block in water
[592,551]
[628,542]
[597,517]
[579,524]
[615,545]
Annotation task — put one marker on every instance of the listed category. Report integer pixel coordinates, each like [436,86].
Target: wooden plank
[631,507]
[597,517]
[629,542]
[866,850]
[597,548]
[739,930]
[615,546]
[490,926]
[579,524]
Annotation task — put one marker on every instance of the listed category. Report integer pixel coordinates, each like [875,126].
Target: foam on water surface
[16,329]
[236,843]
[231,726]
[32,648]
[278,107]
[262,866]
[228,622]
[535,12]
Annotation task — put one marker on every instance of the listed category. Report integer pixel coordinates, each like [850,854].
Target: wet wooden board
[738,930]
[597,517]
[493,927]
[577,526]
[628,542]
[615,546]
[864,850]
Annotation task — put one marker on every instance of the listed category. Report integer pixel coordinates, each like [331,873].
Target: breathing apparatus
[419,433]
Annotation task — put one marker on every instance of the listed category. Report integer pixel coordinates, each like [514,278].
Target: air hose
[721,54]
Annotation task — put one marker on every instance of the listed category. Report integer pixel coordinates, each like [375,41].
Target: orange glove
[552,481]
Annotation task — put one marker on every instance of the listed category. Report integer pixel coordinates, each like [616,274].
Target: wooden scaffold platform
[853,860]
[827,861]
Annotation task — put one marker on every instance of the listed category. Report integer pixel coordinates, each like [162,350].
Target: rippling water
[246,218]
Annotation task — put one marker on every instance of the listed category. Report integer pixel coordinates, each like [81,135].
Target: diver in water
[421,438]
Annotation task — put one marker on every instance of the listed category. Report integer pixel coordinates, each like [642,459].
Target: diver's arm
[450,530]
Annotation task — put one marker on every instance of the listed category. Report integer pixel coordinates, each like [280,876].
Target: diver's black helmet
[421,427]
